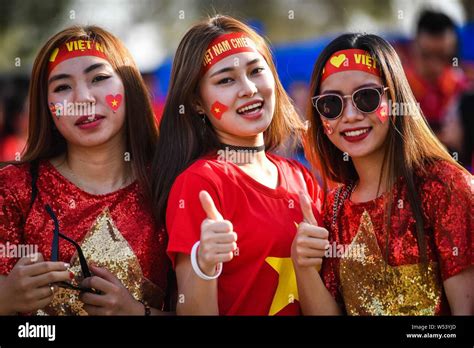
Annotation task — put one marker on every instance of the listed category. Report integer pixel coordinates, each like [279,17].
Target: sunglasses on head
[55,254]
[366,100]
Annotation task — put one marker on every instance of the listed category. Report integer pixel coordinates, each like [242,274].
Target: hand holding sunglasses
[55,255]
[366,100]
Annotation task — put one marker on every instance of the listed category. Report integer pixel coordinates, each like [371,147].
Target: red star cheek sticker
[55,109]
[382,112]
[217,109]
[327,127]
[52,108]
[114,101]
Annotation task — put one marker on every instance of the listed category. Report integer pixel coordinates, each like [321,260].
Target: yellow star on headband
[287,290]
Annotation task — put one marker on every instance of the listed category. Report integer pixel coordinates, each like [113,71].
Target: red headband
[75,48]
[226,45]
[351,59]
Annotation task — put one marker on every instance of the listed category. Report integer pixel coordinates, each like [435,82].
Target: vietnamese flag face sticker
[382,112]
[114,101]
[55,110]
[52,108]
[327,127]
[217,109]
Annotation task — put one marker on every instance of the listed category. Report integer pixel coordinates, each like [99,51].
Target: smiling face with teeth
[359,134]
[87,80]
[244,83]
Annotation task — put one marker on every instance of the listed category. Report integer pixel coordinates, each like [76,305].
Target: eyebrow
[371,84]
[66,76]
[58,77]
[93,67]
[231,68]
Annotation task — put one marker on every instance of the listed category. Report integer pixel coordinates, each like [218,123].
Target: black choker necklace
[242,148]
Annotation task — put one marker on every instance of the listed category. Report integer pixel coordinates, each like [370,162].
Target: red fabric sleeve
[184,213]
[448,204]
[11,215]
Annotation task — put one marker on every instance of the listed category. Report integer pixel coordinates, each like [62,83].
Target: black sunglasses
[55,254]
[366,100]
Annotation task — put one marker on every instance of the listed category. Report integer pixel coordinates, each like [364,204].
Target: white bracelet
[196,268]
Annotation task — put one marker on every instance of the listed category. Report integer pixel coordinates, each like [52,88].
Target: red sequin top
[115,230]
[367,280]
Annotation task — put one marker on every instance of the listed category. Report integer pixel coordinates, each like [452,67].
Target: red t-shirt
[259,280]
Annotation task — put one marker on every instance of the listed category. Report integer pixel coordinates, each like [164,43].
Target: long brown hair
[182,139]
[45,142]
[410,144]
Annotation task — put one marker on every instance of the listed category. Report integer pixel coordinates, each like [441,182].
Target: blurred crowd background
[435,40]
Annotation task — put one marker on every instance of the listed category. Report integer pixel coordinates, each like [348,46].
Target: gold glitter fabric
[115,230]
[105,247]
[371,287]
[390,279]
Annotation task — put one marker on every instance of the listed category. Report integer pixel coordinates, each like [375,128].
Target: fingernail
[67,265]
[71,275]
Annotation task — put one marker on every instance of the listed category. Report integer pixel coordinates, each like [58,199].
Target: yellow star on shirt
[114,102]
[287,290]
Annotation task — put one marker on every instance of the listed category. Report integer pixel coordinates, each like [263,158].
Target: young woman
[230,206]
[401,223]
[82,181]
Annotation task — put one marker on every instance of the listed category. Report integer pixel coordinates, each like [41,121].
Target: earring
[204,126]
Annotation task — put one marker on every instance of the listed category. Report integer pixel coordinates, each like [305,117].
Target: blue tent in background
[295,60]
[466,35]
[162,75]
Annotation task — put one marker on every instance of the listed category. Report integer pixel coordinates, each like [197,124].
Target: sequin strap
[338,203]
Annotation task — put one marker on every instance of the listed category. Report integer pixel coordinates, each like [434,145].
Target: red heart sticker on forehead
[217,109]
[114,101]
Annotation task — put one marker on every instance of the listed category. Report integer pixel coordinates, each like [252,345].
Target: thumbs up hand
[310,242]
[218,239]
